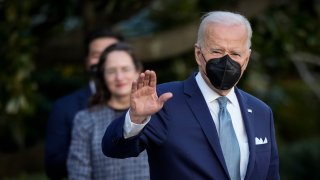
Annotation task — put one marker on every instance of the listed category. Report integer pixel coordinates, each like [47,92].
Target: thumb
[165,97]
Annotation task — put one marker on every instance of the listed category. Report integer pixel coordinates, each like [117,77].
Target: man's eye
[216,52]
[236,54]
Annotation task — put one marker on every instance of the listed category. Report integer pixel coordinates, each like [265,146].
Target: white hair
[223,17]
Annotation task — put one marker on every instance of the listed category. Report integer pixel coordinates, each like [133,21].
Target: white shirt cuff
[131,129]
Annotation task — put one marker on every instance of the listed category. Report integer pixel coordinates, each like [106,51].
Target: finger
[153,79]
[140,81]
[165,97]
[147,78]
[134,87]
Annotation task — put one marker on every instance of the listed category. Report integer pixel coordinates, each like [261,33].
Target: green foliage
[168,13]
[300,160]
[18,91]
[279,34]
[24,176]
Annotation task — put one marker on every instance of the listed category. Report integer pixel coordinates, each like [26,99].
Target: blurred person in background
[60,122]
[116,70]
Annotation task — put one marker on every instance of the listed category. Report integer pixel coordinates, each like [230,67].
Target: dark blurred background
[42,59]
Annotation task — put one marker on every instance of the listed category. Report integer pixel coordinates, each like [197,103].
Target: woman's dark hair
[103,94]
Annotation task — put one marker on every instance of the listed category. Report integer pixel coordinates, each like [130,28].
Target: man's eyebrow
[216,49]
[236,51]
[239,50]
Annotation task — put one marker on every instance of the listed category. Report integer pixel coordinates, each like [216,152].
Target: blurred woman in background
[115,72]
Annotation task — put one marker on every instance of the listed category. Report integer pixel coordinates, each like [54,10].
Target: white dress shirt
[210,96]
[233,107]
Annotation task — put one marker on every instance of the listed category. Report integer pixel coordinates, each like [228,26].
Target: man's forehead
[212,44]
[95,51]
[101,43]
[221,37]
[225,29]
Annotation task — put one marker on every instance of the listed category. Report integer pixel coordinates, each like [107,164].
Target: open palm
[144,99]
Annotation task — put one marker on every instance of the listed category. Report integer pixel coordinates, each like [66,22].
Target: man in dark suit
[59,127]
[203,127]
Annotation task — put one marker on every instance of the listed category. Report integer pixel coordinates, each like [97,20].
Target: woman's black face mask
[223,72]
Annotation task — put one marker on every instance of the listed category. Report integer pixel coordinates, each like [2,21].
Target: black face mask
[223,72]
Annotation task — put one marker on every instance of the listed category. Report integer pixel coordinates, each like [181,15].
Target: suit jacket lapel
[248,118]
[200,109]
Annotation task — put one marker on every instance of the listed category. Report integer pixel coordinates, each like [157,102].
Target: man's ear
[197,54]
[247,60]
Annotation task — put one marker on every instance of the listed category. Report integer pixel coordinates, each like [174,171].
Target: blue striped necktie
[228,140]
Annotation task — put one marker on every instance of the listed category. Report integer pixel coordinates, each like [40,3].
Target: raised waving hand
[144,99]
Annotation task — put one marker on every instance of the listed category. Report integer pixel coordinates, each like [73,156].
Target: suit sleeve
[115,145]
[79,161]
[273,173]
[57,142]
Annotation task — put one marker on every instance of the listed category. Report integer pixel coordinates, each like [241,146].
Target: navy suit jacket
[182,141]
[59,128]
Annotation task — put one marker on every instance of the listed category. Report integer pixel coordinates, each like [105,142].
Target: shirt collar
[210,95]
